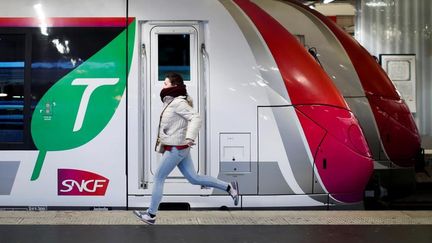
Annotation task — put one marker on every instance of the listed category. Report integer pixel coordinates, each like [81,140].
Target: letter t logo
[92,84]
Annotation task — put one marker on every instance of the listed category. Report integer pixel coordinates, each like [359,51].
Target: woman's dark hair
[175,79]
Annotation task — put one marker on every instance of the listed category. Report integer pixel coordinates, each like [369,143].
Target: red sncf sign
[80,183]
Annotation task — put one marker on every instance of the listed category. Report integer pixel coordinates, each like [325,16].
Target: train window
[174,55]
[30,64]
[55,56]
[12,59]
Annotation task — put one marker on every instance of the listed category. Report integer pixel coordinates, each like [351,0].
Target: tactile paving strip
[219,218]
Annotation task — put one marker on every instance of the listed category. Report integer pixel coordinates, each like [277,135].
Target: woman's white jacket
[179,121]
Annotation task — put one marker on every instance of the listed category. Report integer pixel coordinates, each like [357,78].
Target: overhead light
[328,1]
[62,48]
[377,4]
[2,93]
[42,19]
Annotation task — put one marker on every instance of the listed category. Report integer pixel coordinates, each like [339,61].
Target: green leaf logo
[79,106]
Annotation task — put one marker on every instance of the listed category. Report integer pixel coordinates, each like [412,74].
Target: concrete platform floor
[426,142]
[118,217]
[217,227]
[215,233]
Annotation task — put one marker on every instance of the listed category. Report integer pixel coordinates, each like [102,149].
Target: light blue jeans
[182,159]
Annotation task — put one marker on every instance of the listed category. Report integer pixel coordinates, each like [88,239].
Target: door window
[174,55]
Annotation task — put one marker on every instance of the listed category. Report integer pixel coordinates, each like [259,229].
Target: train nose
[398,131]
[341,155]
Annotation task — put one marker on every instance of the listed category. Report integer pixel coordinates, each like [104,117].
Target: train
[80,106]
[385,118]
[396,142]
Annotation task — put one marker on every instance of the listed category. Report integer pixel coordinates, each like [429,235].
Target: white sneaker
[234,192]
[145,216]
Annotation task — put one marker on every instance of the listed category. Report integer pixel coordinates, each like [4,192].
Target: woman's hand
[190,142]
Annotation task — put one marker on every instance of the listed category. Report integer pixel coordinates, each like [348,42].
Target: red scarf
[173,91]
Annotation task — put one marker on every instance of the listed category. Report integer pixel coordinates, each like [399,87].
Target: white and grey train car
[80,106]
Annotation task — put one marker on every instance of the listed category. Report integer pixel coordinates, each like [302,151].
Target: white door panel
[168,47]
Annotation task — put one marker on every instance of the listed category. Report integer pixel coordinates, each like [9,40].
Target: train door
[170,47]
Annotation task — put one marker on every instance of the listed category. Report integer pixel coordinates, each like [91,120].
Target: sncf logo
[81,183]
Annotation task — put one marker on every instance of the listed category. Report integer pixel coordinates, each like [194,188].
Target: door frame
[147,72]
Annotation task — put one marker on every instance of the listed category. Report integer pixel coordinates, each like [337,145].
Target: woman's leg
[187,169]
[169,161]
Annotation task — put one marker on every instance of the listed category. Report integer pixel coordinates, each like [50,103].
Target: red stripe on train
[66,22]
[398,131]
[304,78]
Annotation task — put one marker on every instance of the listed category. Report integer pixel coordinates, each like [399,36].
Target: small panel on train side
[234,152]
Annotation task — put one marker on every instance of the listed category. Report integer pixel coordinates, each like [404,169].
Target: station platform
[217,226]
[119,217]
[426,143]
